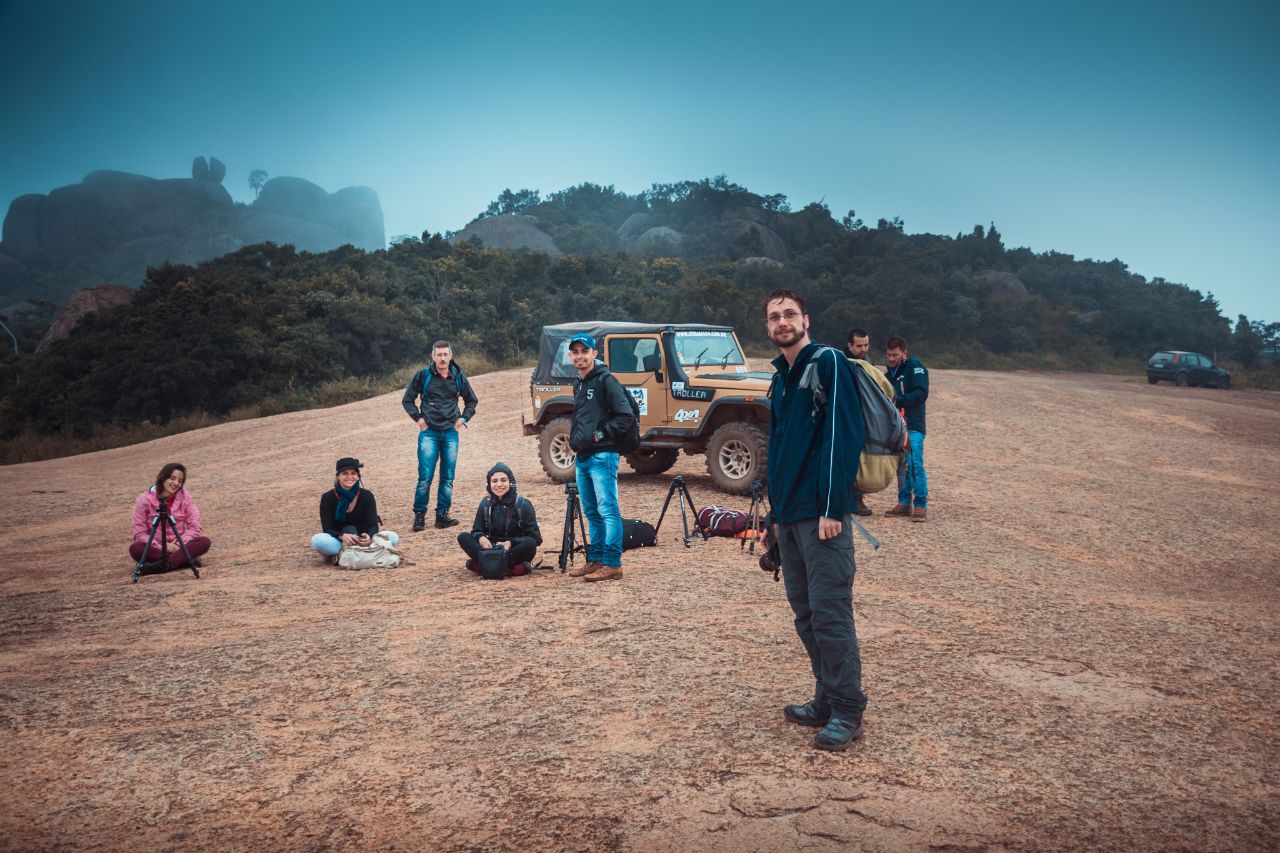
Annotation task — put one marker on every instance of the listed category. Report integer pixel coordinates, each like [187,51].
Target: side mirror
[657,374]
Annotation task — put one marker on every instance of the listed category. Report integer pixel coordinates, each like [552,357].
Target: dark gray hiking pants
[819,580]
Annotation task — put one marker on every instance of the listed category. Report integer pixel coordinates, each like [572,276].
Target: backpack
[886,431]
[637,533]
[378,554]
[722,521]
[629,441]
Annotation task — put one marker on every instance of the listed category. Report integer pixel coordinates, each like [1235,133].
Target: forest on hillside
[268,320]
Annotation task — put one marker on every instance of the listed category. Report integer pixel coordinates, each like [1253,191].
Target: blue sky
[1146,132]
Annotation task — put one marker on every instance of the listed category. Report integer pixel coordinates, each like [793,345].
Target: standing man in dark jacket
[816,436]
[601,415]
[431,401]
[910,391]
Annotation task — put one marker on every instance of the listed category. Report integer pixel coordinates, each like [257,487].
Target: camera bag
[492,563]
[637,533]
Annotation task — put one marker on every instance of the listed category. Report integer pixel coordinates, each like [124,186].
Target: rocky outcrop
[508,231]
[658,241]
[762,262]
[771,245]
[1003,282]
[114,225]
[635,225]
[83,302]
[14,275]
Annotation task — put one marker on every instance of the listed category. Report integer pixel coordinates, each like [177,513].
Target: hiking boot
[808,714]
[861,508]
[443,521]
[605,573]
[918,515]
[585,569]
[419,522]
[838,733]
[900,509]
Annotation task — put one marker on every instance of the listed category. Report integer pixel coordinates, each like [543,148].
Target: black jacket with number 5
[600,405]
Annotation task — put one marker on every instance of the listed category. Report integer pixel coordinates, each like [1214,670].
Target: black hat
[347,462]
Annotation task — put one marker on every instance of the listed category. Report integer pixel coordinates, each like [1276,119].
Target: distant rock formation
[83,302]
[113,225]
[1003,282]
[658,241]
[508,231]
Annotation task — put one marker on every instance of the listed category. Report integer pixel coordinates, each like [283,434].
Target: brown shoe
[585,569]
[861,509]
[605,573]
[900,509]
[918,514]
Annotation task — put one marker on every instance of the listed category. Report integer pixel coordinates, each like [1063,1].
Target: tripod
[753,517]
[568,542]
[161,523]
[681,492]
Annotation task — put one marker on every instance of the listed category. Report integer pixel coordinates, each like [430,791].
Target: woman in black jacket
[503,519]
[348,512]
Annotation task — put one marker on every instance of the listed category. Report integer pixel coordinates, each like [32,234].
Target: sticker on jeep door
[642,398]
[686,415]
[686,393]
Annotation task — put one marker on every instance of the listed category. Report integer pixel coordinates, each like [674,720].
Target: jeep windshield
[707,349]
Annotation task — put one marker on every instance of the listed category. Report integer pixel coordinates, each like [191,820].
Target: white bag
[378,554]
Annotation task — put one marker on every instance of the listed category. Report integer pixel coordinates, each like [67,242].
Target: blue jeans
[914,479]
[331,545]
[598,489]
[436,444]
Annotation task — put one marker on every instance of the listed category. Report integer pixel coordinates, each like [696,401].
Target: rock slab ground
[1078,650]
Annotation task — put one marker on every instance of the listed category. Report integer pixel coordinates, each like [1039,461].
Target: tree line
[267,320]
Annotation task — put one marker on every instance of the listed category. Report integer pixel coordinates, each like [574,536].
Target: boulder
[658,241]
[508,231]
[635,225]
[356,213]
[200,169]
[217,170]
[762,262]
[1003,282]
[771,244]
[294,197]
[83,302]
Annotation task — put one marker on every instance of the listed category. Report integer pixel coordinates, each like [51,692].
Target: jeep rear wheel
[554,452]
[652,460]
[736,457]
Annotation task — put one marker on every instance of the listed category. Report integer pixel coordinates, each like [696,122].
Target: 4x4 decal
[686,415]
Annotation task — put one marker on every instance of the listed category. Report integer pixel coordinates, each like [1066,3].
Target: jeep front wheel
[736,457]
[652,460]
[554,452]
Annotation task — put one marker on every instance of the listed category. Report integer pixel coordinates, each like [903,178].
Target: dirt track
[1079,649]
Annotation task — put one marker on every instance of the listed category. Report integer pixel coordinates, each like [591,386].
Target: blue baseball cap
[584,339]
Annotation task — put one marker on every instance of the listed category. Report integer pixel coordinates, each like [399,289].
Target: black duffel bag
[492,563]
[637,533]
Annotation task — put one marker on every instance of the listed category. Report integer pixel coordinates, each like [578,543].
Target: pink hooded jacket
[181,507]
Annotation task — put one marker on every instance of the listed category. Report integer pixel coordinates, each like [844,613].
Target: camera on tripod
[163,523]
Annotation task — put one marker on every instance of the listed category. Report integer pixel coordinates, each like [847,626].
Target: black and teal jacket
[815,437]
[910,391]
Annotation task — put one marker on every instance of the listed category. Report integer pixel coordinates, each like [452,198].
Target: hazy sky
[1146,132]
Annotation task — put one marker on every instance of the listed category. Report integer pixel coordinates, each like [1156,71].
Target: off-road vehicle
[693,387]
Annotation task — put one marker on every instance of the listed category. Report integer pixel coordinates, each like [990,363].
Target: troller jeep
[693,387]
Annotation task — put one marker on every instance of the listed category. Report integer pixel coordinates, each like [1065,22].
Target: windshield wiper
[698,361]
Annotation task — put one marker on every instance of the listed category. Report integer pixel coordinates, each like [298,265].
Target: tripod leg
[146,549]
[192,562]
[702,531]
[566,538]
[671,490]
[582,528]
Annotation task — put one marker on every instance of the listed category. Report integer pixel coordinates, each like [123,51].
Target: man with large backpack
[856,351]
[603,417]
[816,436]
[431,401]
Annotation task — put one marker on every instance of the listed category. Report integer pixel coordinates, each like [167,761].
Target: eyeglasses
[789,316]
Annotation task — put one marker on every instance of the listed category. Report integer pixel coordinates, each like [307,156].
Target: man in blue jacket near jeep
[816,436]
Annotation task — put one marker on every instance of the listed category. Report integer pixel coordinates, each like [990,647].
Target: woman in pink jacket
[171,483]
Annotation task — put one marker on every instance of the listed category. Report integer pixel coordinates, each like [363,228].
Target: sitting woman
[348,512]
[506,520]
[171,485]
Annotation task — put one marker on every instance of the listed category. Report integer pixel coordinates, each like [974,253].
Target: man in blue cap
[601,415]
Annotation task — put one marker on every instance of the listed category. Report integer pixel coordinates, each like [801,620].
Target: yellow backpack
[876,470]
